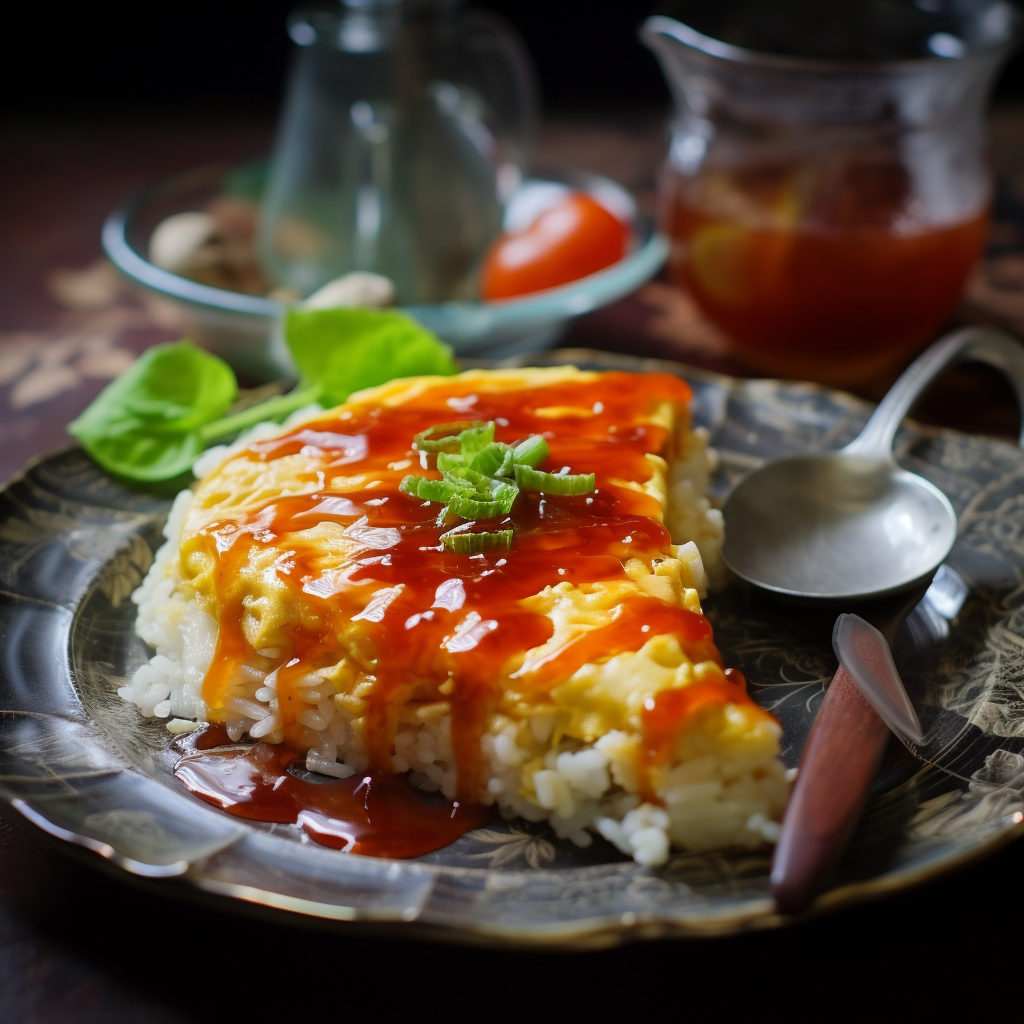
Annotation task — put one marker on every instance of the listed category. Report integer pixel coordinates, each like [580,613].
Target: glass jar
[404,129]
[826,191]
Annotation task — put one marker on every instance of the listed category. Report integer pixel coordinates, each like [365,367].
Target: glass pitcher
[404,129]
[826,191]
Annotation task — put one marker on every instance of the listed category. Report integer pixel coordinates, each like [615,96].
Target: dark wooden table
[77,945]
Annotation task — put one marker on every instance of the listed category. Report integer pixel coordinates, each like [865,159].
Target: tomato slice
[576,238]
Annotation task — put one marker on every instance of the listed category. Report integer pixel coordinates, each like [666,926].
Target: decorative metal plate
[81,764]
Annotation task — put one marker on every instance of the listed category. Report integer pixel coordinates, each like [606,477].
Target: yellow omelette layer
[604,695]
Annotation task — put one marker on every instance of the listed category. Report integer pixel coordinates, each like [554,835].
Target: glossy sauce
[428,624]
[817,280]
[371,813]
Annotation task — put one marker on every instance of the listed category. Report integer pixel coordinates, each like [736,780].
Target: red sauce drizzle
[665,713]
[370,813]
[428,617]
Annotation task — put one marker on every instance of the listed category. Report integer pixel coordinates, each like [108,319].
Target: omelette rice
[304,599]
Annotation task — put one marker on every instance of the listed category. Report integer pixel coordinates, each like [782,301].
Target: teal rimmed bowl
[244,329]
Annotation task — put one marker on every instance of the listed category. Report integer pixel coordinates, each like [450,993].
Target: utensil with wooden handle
[850,526]
[839,763]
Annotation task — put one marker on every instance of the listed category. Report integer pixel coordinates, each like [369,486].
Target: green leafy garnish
[344,350]
[152,423]
[147,424]
[481,479]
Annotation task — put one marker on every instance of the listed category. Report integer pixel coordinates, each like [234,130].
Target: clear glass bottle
[404,129]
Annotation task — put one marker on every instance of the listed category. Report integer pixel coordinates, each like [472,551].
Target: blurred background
[97,101]
[192,56]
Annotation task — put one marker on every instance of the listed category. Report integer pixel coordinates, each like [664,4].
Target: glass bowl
[245,329]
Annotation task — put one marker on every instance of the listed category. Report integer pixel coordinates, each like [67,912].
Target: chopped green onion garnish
[449,462]
[474,543]
[481,477]
[427,490]
[447,437]
[474,439]
[489,460]
[531,452]
[554,483]
[454,469]
[484,508]
[507,464]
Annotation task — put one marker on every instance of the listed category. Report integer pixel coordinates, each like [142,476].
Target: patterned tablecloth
[68,325]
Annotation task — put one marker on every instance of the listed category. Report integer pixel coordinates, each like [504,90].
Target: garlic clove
[359,288]
[185,242]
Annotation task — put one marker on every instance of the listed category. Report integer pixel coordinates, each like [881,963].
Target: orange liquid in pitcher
[823,283]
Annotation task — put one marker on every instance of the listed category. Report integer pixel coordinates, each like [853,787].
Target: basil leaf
[151,423]
[146,425]
[344,350]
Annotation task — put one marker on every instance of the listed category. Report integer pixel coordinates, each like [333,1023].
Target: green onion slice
[498,504]
[505,491]
[468,482]
[454,466]
[427,490]
[464,543]
[531,452]
[508,464]
[448,462]
[474,439]
[554,483]
[448,437]
[490,459]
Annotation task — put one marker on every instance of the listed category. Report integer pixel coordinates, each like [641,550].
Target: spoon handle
[839,762]
[981,343]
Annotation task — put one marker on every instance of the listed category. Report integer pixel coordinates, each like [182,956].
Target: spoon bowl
[852,525]
[830,527]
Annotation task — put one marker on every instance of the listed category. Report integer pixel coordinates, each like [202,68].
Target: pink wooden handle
[839,763]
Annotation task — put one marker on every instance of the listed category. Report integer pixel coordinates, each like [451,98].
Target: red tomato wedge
[576,238]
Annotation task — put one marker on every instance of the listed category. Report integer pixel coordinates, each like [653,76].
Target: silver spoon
[851,526]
